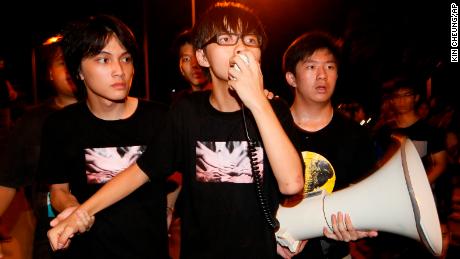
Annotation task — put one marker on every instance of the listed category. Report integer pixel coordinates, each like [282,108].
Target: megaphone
[396,198]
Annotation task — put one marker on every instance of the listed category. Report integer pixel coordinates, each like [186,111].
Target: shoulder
[280,106]
[66,115]
[190,100]
[345,121]
[349,126]
[152,106]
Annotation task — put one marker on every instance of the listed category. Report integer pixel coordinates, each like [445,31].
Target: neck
[404,120]
[312,118]
[202,87]
[223,99]
[109,110]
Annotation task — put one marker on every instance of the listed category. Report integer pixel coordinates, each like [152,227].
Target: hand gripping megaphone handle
[396,198]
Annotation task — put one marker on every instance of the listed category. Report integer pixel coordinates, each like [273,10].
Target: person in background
[86,144]
[311,66]
[197,80]
[20,153]
[207,139]
[403,93]
[194,75]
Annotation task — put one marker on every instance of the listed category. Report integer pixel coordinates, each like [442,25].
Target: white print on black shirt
[102,164]
[225,162]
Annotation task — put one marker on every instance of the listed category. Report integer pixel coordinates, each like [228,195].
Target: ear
[181,70]
[51,76]
[201,58]
[80,76]
[290,78]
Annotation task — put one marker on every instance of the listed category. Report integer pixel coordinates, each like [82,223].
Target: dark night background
[380,38]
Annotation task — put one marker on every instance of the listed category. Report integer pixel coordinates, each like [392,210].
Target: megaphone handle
[326,218]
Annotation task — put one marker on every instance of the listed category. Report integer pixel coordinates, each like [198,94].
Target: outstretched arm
[116,189]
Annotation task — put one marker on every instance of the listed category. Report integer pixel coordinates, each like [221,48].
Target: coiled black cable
[261,196]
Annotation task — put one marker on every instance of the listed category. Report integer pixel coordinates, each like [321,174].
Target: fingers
[84,221]
[63,241]
[344,230]
[54,222]
[53,236]
[283,252]
[63,215]
[239,63]
[301,246]
[60,235]
[268,94]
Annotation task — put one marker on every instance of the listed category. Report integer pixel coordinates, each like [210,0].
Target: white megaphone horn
[397,198]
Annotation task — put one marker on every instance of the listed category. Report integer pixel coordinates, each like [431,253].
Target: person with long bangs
[233,146]
[85,145]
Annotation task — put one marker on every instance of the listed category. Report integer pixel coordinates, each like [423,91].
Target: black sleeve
[287,122]
[158,159]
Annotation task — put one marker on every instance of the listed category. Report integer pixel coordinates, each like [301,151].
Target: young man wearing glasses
[232,145]
[205,139]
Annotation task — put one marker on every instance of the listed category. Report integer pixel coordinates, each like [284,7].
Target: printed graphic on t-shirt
[102,164]
[319,173]
[220,162]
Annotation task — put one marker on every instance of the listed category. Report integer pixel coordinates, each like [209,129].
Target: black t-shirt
[343,148]
[85,151]
[221,217]
[426,138]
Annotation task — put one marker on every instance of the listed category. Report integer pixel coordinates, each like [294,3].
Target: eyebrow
[110,53]
[309,60]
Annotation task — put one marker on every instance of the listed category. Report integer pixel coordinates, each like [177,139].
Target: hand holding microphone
[244,58]
[245,78]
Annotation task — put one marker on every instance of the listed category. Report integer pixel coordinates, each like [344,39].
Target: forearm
[439,164]
[434,173]
[282,155]
[7,195]
[116,189]
[62,198]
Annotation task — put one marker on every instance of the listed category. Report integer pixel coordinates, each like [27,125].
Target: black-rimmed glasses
[230,39]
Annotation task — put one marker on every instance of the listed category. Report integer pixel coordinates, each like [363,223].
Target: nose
[321,73]
[194,62]
[240,46]
[117,68]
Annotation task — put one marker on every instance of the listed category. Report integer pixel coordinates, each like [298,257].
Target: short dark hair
[184,37]
[305,45]
[227,17]
[402,82]
[87,37]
